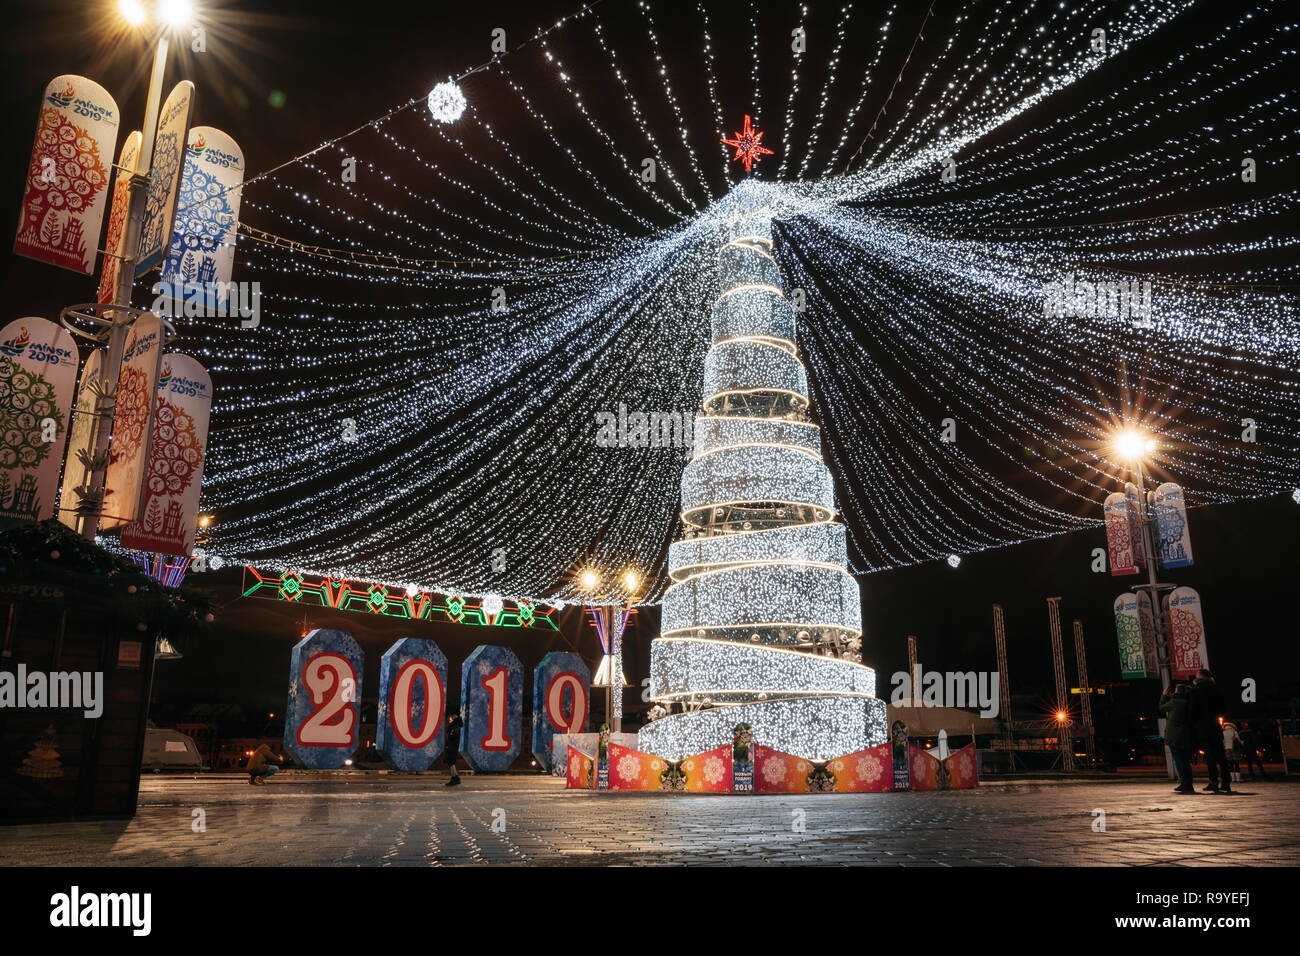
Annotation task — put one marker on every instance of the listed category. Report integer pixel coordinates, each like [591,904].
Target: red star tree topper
[748,145]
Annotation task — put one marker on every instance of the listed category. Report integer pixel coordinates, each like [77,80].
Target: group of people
[1195,720]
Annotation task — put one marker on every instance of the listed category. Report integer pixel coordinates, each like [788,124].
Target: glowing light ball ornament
[446,102]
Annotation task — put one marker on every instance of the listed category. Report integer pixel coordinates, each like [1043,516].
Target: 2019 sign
[323,715]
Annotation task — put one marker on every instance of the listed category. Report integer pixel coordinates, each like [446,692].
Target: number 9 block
[561,701]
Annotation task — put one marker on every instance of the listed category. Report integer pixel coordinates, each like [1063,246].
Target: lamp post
[1132,446]
[173,14]
[631,581]
[610,621]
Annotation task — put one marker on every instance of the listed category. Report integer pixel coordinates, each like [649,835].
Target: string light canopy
[995,275]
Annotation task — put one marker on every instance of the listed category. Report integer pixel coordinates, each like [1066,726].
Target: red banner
[709,772]
[581,775]
[133,421]
[67,178]
[1119,536]
[170,511]
[1186,625]
[778,772]
[958,771]
[115,241]
[634,769]
[865,771]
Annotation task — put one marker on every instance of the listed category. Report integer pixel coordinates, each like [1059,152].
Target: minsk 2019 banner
[202,253]
[38,374]
[132,422]
[67,178]
[115,241]
[170,509]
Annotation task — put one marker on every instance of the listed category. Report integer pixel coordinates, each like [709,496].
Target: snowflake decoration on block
[748,145]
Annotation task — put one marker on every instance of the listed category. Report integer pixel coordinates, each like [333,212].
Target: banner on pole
[38,375]
[1128,628]
[202,252]
[1186,625]
[1119,539]
[67,178]
[170,509]
[133,421]
[1170,508]
[75,473]
[115,241]
[165,177]
[1147,618]
[1134,498]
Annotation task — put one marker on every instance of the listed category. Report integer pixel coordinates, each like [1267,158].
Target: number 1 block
[492,700]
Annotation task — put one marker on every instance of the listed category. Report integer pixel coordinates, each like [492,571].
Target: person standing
[1232,749]
[451,753]
[1250,749]
[1206,705]
[261,765]
[1174,704]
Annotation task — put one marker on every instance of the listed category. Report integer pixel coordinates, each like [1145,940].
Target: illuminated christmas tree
[763,623]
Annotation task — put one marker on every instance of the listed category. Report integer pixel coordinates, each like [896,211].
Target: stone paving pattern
[403,820]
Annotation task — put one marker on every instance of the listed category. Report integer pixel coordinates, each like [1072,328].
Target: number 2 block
[323,714]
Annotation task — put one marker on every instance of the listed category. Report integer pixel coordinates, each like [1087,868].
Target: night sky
[283,81]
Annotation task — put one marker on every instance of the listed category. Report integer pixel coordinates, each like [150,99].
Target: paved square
[389,820]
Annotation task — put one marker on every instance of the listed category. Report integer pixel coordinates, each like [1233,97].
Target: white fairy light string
[925,298]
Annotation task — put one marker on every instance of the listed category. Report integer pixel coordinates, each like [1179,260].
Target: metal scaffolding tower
[1085,693]
[1004,682]
[911,669]
[1062,691]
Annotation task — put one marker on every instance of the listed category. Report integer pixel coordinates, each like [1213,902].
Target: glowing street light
[176,13]
[1132,445]
[589,579]
[132,11]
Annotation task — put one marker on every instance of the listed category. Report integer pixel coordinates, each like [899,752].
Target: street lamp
[173,14]
[1132,446]
[610,621]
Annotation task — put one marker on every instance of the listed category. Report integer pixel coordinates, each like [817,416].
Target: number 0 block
[323,715]
[561,701]
[412,699]
[492,698]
